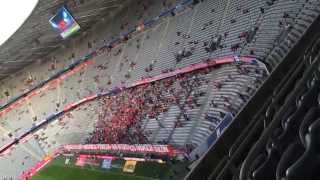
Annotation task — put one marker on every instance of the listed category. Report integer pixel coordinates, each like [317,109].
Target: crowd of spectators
[122,116]
[217,41]
[212,44]
[120,119]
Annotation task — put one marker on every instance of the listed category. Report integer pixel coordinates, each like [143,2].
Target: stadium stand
[185,110]
[275,140]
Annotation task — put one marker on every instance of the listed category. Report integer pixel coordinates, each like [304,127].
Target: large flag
[106,164]
[81,161]
[67,161]
[129,166]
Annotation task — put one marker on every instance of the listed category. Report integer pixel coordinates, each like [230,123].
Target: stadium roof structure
[36,38]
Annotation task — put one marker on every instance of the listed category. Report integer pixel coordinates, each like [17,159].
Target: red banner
[138,148]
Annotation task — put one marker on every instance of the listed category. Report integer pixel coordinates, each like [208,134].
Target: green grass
[71,173]
[57,170]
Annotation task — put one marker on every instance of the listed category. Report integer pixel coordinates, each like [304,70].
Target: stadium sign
[138,148]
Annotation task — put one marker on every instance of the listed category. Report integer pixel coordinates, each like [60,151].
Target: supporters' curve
[208,63]
[84,61]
